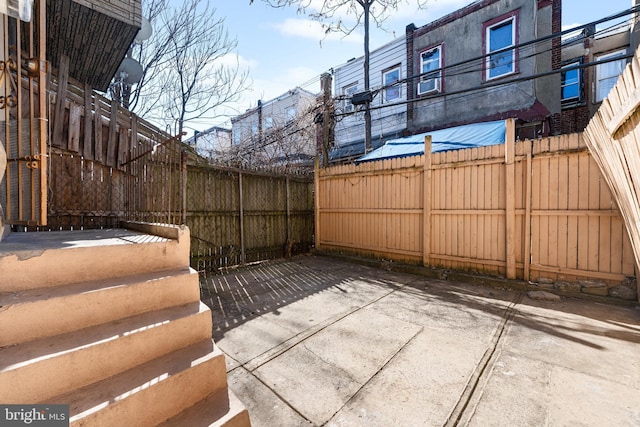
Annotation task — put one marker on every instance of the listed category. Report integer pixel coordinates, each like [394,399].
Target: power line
[506,82]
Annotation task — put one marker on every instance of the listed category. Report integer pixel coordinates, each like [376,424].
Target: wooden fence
[107,164]
[528,210]
[238,216]
[613,137]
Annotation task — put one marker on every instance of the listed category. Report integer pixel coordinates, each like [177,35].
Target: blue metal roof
[456,138]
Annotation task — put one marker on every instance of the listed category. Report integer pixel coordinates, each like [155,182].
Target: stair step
[40,369]
[36,260]
[61,309]
[150,393]
[220,409]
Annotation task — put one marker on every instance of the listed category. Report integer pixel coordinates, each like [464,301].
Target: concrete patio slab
[260,399]
[318,341]
[338,361]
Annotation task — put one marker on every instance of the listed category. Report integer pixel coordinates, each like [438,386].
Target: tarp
[456,138]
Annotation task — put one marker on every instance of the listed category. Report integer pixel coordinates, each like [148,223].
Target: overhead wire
[475,68]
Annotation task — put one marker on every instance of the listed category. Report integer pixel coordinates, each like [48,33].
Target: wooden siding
[483,213]
[94,35]
[129,11]
[389,120]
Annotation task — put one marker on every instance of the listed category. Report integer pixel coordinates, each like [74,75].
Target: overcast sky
[283,49]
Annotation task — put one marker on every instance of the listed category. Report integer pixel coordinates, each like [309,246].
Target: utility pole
[326,117]
[366,4]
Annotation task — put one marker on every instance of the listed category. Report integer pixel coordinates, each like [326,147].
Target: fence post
[286,181]
[242,253]
[426,204]
[527,220]
[184,175]
[509,154]
[316,201]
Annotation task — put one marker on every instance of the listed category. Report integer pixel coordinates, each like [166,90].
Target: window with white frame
[291,114]
[348,91]
[237,137]
[607,73]
[430,71]
[390,79]
[571,83]
[268,122]
[499,38]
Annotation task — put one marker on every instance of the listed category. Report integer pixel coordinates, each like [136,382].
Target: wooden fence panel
[374,208]
[108,165]
[613,137]
[238,216]
[541,211]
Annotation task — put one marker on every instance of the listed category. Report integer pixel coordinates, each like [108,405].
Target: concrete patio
[318,341]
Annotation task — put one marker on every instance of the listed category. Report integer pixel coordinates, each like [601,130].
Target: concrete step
[38,313]
[150,393]
[38,370]
[220,409]
[47,259]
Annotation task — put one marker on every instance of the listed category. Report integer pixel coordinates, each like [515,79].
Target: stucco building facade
[487,61]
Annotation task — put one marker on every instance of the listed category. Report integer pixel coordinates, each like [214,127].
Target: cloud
[234,60]
[282,82]
[310,29]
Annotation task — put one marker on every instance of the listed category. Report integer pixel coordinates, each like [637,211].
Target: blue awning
[456,138]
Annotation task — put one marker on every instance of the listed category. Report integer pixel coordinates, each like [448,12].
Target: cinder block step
[148,394]
[220,409]
[38,313]
[36,260]
[44,368]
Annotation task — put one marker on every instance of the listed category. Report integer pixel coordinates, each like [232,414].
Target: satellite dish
[130,70]
[145,31]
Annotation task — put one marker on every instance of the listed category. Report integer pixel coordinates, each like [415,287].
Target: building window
[237,137]
[291,114]
[607,74]
[571,83]
[254,132]
[390,79]
[430,71]
[268,122]
[499,36]
[348,91]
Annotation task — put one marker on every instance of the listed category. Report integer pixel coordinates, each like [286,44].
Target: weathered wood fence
[107,164]
[238,216]
[530,210]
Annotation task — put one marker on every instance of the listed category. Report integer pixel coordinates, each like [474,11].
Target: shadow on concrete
[246,293]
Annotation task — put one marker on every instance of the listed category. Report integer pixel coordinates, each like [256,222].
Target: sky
[281,49]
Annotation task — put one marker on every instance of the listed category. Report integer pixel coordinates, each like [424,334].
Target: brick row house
[583,87]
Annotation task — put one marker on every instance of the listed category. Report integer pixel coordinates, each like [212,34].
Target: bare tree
[331,14]
[189,69]
[288,143]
